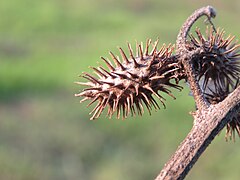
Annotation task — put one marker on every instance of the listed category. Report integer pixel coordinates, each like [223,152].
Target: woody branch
[209,119]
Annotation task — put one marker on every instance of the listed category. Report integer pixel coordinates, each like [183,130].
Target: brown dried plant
[217,95]
[209,62]
[132,83]
[218,60]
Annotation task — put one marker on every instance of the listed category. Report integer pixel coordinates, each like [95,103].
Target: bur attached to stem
[209,62]
[218,63]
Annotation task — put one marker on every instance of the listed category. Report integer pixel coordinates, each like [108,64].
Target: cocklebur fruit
[132,82]
[218,63]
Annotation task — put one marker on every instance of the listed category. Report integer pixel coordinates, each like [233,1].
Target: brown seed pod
[219,59]
[130,84]
[214,97]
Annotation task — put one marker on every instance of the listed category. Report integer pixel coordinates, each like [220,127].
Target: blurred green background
[46,134]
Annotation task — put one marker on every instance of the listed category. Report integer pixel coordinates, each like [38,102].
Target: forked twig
[185,55]
[209,120]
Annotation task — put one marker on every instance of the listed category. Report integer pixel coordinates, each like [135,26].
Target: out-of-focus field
[46,134]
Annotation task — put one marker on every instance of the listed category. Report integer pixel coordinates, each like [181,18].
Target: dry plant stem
[209,123]
[185,56]
[208,11]
[200,101]
[208,120]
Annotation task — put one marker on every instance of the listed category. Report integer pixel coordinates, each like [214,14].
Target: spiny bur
[217,67]
[132,83]
[219,59]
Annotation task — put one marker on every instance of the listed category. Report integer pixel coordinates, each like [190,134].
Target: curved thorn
[154,47]
[124,57]
[131,54]
[98,72]
[116,61]
[109,65]
[147,47]
[141,51]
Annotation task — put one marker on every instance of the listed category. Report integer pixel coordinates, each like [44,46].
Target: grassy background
[44,131]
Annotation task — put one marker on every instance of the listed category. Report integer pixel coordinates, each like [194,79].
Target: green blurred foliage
[44,131]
